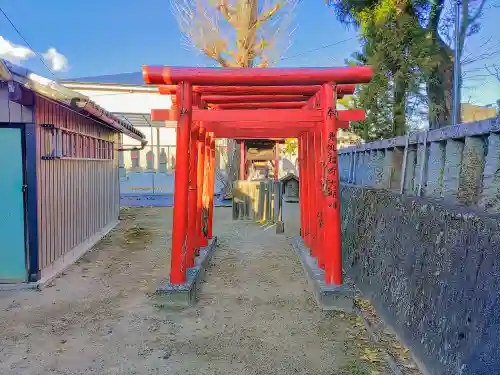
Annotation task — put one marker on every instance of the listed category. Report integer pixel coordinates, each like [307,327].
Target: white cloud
[16,53]
[13,52]
[56,61]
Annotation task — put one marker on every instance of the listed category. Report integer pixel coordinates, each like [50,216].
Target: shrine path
[255,315]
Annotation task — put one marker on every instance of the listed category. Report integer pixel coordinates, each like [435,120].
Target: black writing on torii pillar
[331,165]
[330,112]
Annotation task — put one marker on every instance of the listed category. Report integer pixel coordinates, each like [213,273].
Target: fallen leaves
[370,355]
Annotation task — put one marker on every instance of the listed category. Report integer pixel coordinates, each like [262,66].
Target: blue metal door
[12,241]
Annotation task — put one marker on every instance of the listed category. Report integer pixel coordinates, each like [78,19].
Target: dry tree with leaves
[236,33]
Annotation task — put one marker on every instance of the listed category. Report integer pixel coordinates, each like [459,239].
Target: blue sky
[117,36]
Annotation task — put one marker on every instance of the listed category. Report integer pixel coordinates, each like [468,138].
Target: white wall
[134,102]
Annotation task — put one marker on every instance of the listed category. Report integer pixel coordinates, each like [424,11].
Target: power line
[316,49]
[25,41]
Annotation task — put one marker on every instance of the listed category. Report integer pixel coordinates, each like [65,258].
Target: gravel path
[255,314]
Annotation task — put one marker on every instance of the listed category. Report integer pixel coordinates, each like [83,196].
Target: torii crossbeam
[257,103]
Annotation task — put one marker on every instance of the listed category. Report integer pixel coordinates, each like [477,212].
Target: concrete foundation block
[269,203]
[360,168]
[452,168]
[385,183]
[352,166]
[378,158]
[490,196]
[261,202]
[344,166]
[471,174]
[411,163]
[280,227]
[370,161]
[393,162]
[435,169]
[347,167]
[358,175]
[374,168]
[247,207]
[420,168]
[184,295]
[335,298]
[397,167]
[236,209]
[365,161]
[367,168]
[328,297]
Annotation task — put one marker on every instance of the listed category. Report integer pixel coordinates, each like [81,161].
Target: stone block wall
[459,164]
[432,271]
[420,219]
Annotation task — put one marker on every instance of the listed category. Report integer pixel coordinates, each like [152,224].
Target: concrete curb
[19,287]
[184,295]
[328,297]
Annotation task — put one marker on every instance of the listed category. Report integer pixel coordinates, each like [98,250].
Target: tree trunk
[246,32]
[440,85]
[440,95]
[399,108]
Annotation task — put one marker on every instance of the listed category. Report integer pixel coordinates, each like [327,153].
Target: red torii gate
[245,103]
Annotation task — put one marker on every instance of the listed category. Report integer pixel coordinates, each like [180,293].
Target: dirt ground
[255,314]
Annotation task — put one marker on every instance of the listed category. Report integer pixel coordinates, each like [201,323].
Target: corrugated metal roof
[54,91]
[142,120]
[134,78]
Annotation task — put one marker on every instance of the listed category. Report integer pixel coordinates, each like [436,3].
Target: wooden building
[59,190]
[129,98]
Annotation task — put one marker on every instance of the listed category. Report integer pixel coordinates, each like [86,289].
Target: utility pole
[455,116]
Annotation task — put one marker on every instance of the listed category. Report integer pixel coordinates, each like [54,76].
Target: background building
[127,97]
[471,112]
[151,170]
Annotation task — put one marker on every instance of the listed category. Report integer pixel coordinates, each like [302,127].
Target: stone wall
[432,270]
[420,220]
[459,164]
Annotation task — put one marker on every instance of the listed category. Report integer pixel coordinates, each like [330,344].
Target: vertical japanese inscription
[331,166]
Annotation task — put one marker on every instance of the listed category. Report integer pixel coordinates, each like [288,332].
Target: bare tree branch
[494,71]
[226,10]
[269,14]
[481,57]
[479,12]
